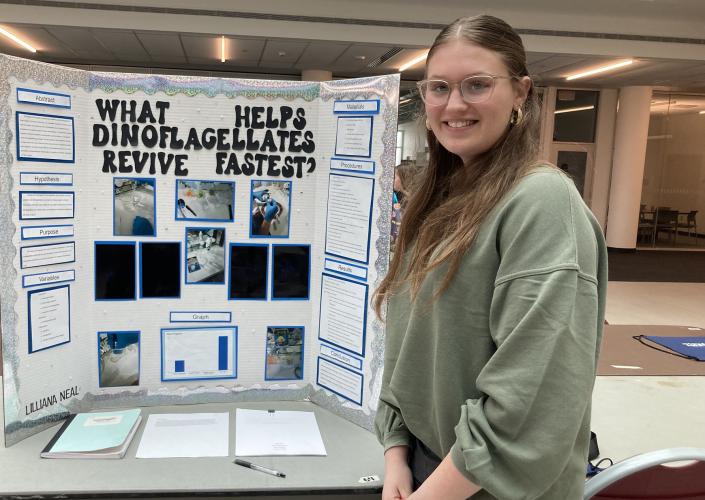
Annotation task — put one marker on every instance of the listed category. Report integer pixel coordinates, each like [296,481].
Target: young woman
[495,296]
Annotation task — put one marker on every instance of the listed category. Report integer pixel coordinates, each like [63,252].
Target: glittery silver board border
[23,70]
[209,87]
[384,87]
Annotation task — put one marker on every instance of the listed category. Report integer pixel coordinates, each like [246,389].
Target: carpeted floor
[659,266]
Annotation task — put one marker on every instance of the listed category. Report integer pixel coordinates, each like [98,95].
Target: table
[353,453]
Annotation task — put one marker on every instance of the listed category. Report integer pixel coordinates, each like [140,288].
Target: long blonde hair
[450,202]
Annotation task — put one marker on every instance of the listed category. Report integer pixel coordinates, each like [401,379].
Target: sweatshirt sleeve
[529,424]
[390,427]
[519,436]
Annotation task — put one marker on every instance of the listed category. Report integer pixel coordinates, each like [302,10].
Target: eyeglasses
[475,88]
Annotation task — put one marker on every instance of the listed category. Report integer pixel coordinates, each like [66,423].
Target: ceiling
[169,52]
[77,34]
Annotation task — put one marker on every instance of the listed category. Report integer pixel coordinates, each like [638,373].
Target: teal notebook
[94,435]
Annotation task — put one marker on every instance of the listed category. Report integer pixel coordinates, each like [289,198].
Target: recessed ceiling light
[17,40]
[413,62]
[572,110]
[281,53]
[701,112]
[601,69]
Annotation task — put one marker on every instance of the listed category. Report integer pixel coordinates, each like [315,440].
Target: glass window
[400,146]
[673,188]
[575,115]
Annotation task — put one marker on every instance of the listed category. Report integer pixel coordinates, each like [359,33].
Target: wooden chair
[666,220]
[690,224]
[644,477]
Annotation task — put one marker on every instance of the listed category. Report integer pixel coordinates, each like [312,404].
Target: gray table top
[353,453]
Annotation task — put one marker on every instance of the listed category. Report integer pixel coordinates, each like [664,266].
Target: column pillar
[631,132]
[316,75]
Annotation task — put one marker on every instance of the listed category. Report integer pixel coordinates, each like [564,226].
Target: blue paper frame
[369,225]
[73,201]
[364,317]
[29,317]
[230,269]
[18,138]
[22,266]
[326,268]
[370,171]
[357,112]
[361,375]
[329,358]
[234,353]
[24,278]
[200,228]
[172,320]
[46,183]
[180,260]
[369,146]
[203,219]
[301,355]
[43,92]
[153,182]
[133,244]
[308,286]
[24,238]
[139,356]
[288,226]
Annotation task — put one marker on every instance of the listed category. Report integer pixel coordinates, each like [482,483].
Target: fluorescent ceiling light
[571,110]
[601,69]
[413,62]
[222,49]
[701,112]
[17,40]
[405,100]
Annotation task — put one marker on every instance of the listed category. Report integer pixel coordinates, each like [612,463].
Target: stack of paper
[168,435]
[261,433]
[94,435]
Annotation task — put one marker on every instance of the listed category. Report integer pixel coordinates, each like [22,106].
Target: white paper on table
[170,435]
[262,433]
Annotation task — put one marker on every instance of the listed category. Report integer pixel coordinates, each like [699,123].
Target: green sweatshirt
[499,371]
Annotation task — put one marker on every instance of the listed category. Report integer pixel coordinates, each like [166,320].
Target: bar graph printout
[199,353]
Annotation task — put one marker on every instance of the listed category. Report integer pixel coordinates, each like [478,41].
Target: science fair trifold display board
[172,239]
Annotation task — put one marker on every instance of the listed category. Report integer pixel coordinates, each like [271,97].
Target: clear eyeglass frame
[472,99]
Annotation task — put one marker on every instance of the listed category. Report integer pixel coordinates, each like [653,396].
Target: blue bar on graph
[223,353]
[179,366]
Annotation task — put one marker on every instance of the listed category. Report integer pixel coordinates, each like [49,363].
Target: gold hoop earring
[428,124]
[517,116]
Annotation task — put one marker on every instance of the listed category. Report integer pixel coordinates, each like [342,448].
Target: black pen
[252,466]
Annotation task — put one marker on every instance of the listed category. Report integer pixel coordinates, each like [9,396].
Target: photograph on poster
[248,271]
[115,270]
[291,272]
[205,255]
[134,212]
[285,356]
[49,317]
[118,359]
[270,207]
[199,353]
[204,200]
[160,270]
